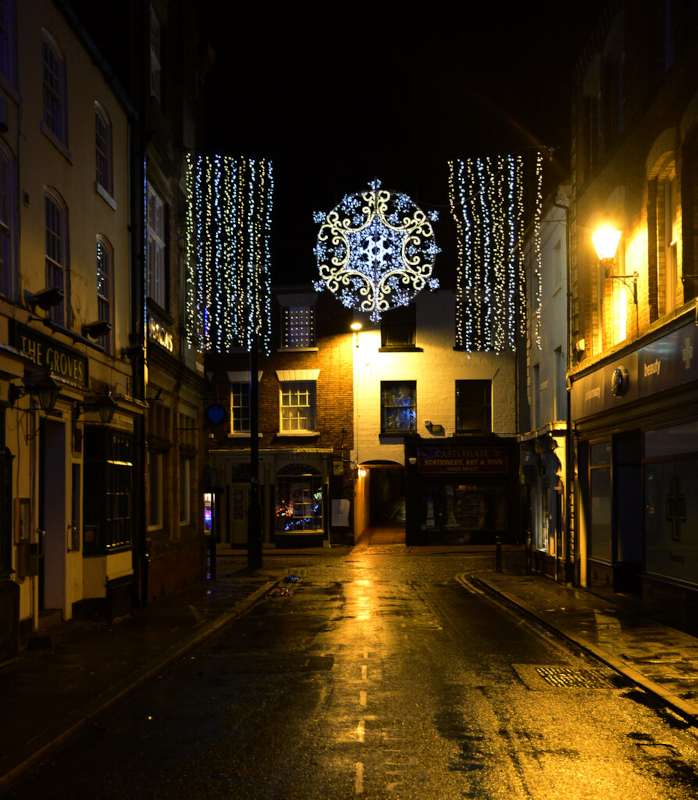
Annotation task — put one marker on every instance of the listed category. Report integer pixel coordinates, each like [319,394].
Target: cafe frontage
[636,419]
[462,491]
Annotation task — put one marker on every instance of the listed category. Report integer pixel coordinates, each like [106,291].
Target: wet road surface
[379,675]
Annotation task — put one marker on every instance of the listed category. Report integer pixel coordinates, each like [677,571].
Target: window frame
[8,227]
[104,163]
[486,408]
[385,409]
[240,419]
[54,109]
[105,301]
[307,388]
[156,225]
[57,261]
[295,331]
[8,42]
[399,329]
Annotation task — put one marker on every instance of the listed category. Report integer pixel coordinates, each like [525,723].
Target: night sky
[339,94]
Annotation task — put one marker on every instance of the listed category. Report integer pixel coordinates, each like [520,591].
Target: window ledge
[298,350]
[397,434]
[104,194]
[242,435]
[401,348]
[56,142]
[305,434]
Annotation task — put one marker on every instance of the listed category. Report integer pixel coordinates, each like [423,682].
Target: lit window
[240,407]
[104,291]
[56,217]
[299,503]
[155,56]
[156,249]
[398,406]
[473,406]
[298,326]
[53,73]
[298,406]
[103,150]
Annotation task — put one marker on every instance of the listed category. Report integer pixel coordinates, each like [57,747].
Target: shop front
[464,491]
[637,472]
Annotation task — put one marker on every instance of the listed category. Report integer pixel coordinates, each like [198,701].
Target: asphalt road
[381,676]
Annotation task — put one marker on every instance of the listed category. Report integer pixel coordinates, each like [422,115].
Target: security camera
[45,298]
[96,329]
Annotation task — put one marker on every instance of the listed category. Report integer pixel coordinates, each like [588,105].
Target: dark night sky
[339,94]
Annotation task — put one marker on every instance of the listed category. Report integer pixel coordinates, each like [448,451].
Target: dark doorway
[387,495]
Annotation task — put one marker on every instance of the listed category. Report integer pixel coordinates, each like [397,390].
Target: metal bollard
[498,543]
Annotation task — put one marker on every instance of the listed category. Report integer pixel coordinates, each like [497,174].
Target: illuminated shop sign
[64,362]
[438,460]
[159,333]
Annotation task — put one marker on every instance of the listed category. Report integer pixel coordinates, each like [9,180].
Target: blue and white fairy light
[228,265]
[487,204]
[376,250]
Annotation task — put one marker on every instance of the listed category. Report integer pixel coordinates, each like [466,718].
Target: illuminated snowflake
[376,250]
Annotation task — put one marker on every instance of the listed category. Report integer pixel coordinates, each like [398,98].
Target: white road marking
[359,782]
[364,672]
[362,699]
[361,730]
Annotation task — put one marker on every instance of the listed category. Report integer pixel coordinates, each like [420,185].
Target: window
[56,217]
[298,406]
[473,406]
[398,327]
[7,41]
[184,490]
[298,326]
[155,488]
[155,55]
[240,407]
[299,502]
[601,538]
[104,288]
[398,406]
[156,249]
[7,259]
[55,118]
[103,150]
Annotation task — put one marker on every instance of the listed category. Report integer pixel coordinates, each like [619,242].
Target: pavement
[47,696]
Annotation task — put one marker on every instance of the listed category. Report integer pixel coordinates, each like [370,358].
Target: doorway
[53,516]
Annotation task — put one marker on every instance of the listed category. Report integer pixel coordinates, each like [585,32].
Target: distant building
[634,373]
[305,427]
[435,429]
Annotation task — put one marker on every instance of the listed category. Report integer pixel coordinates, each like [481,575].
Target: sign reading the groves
[462,459]
[47,354]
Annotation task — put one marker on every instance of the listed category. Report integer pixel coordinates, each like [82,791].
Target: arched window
[105,282]
[56,221]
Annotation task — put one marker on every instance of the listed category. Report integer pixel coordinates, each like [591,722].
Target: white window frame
[155,257]
[104,179]
[238,408]
[105,283]
[56,253]
[298,407]
[54,107]
[155,56]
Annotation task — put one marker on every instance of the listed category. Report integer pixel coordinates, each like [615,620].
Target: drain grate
[568,677]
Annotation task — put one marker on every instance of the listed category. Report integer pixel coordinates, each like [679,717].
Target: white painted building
[410,384]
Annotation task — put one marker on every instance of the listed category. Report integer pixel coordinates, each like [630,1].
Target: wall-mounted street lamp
[41,385]
[606,241]
[104,404]
[356,327]
[96,329]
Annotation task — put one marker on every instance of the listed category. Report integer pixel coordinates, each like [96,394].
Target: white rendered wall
[436,370]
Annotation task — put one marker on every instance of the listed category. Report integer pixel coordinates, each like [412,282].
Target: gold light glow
[606,242]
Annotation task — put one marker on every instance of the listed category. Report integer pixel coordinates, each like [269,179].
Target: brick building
[305,426]
[634,375]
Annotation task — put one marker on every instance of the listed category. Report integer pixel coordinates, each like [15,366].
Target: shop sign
[444,460]
[157,332]
[64,362]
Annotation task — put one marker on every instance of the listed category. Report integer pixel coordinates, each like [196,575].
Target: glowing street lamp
[606,242]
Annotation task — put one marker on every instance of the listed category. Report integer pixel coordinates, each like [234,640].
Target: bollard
[498,542]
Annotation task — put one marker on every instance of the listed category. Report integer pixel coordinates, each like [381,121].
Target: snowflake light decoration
[376,250]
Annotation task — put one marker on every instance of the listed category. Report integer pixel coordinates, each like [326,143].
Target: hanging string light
[228,273]
[487,203]
[375,250]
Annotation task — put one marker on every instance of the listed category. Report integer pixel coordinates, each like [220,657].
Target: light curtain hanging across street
[229,277]
[492,201]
